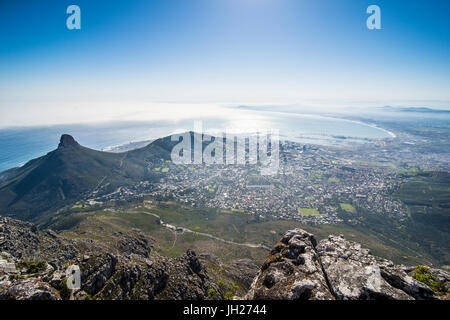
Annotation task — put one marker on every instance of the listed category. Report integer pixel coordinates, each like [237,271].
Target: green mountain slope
[67,173]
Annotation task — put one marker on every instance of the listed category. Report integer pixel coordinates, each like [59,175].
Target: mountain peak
[67,141]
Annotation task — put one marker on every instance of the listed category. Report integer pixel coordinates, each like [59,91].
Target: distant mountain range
[415,109]
[62,176]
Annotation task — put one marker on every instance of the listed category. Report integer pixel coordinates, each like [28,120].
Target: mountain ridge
[63,175]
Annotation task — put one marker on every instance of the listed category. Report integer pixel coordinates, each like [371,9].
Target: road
[183,229]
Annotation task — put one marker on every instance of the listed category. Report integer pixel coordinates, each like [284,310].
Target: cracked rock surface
[122,268]
[33,265]
[300,268]
[291,271]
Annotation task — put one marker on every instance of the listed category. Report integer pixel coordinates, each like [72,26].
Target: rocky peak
[67,141]
[292,271]
[300,268]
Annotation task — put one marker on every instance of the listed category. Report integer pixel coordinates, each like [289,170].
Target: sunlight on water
[21,145]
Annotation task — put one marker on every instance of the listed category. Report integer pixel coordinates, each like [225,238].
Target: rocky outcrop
[135,242]
[120,268]
[96,271]
[67,141]
[355,274]
[123,265]
[29,289]
[18,238]
[300,268]
[57,250]
[292,271]
[239,273]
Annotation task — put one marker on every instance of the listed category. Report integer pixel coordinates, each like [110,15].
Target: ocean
[19,145]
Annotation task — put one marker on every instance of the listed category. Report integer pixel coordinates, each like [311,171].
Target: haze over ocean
[20,145]
[131,55]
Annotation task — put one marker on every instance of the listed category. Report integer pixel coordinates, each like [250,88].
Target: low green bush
[424,275]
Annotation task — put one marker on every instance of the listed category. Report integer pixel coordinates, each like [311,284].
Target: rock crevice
[300,268]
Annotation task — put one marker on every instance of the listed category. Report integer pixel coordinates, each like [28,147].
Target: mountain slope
[62,176]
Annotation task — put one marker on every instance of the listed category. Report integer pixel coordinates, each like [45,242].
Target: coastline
[24,150]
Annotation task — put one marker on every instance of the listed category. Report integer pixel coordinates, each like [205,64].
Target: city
[318,184]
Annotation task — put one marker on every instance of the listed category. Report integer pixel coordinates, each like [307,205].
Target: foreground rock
[29,289]
[18,238]
[353,273]
[299,268]
[292,271]
[33,266]
[121,268]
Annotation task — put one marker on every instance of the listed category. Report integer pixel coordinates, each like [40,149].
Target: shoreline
[117,148]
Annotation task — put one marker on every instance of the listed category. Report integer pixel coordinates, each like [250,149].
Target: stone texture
[121,267]
[291,271]
[299,268]
[29,289]
[19,239]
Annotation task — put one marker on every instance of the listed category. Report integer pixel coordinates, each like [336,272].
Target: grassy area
[165,170]
[347,207]
[232,225]
[100,225]
[427,196]
[333,179]
[308,211]
[232,211]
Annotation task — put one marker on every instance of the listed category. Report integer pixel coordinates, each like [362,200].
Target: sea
[18,145]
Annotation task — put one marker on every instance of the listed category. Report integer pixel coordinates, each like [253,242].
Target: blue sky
[134,55]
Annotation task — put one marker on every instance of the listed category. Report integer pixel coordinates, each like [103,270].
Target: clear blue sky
[130,54]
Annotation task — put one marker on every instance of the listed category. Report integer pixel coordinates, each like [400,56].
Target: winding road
[183,229]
